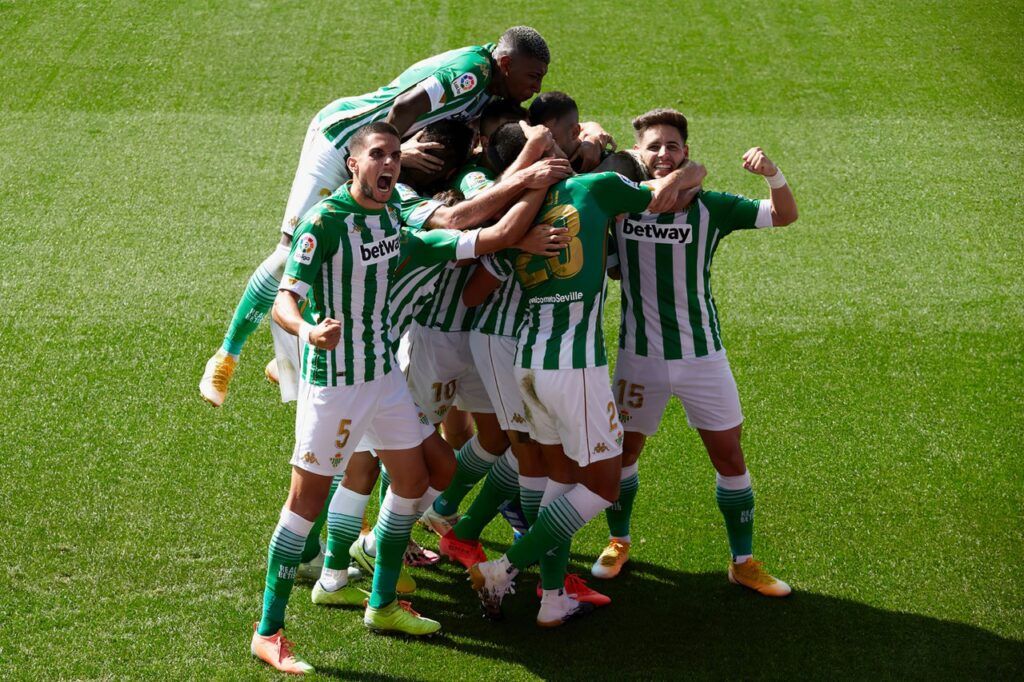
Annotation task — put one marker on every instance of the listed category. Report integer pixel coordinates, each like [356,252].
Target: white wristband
[304,329]
[776,181]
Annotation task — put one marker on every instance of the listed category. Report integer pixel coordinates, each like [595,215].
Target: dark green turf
[146,152]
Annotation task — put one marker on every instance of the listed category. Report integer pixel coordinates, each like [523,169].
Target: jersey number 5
[564,265]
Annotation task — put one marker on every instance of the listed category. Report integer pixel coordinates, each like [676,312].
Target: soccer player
[558,112]
[456,84]
[671,344]
[342,259]
[560,369]
[422,255]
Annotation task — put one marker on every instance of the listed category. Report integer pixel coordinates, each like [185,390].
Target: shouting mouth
[384,181]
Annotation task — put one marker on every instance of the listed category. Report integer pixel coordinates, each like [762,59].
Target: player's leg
[344,521]
[457,427]
[708,391]
[591,437]
[321,170]
[641,389]
[316,460]
[397,435]
[312,553]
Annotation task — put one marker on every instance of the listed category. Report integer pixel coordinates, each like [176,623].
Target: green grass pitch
[146,151]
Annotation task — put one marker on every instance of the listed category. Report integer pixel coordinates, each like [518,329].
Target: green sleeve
[616,193]
[465,78]
[501,265]
[730,212]
[421,248]
[312,244]
[414,209]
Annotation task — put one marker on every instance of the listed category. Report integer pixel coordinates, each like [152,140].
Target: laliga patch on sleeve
[405,192]
[628,181]
[304,249]
[477,180]
[463,84]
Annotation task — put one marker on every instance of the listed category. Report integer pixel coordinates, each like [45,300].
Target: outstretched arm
[481,208]
[512,226]
[783,202]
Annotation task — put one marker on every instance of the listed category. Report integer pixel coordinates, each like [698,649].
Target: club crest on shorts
[463,84]
[304,249]
[336,460]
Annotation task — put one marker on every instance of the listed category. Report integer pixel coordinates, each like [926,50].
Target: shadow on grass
[664,623]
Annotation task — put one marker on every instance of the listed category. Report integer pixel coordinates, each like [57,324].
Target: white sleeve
[764,214]
[466,248]
[434,90]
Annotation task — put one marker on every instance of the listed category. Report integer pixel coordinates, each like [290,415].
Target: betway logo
[665,233]
[375,252]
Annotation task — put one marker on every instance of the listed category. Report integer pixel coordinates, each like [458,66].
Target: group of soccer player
[445,256]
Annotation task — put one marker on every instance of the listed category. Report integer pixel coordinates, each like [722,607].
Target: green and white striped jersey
[504,311]
[565,293]
[445,311]
[456,82]
[342,257]
[668,310]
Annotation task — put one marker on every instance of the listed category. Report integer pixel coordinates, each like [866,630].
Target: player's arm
[408,107]
[286,313]
[538,142]
[490,273]
[302,269]
[512,226]
[593,141]
[481,208]
[783,203]
[673,192]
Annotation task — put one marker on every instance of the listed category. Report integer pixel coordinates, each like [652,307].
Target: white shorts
[495,363]
[441,373]
[573,407]
[331,420]
[321,171]
[706,387]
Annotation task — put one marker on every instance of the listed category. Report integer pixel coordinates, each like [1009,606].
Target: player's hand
[545,173]
[589,155]
[593,132]
[756,161]
[669,193]
[416,154]
[537,136]
[545,240]
[327,334]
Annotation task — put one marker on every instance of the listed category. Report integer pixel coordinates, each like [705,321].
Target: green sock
[385,484]
[344,521]
[258,297]
[312,547]
[394,525]
[618,515]
[500,486]
[555,525]
[737,508]
[472,464]
[530,501]
[282,560]
[553,566]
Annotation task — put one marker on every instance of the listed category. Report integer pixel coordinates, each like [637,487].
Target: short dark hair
[551,105]
[456,137]
[523,40]
[358,140]
[505,145]
[449,197]
[654,117]
[502,109]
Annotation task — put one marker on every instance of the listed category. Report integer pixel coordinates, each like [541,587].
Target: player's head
[522,57]
[375,160]
[505,145]
[558,112]
[456,140]
[496,114]
[449,197]
[661,140]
